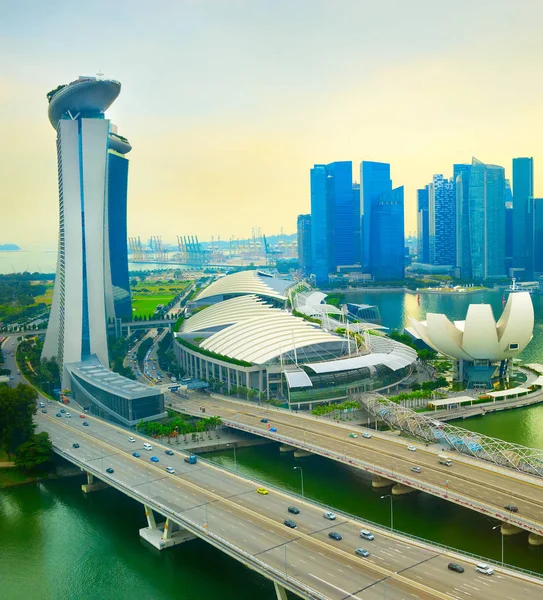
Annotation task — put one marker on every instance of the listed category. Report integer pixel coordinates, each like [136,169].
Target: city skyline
[232,106]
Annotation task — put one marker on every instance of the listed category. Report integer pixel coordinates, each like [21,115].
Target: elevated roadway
[470,482]
[225,510]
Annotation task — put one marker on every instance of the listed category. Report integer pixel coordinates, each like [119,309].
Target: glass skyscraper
[523,194]
[304,243]
[333,219]
[117,224]
[442,221]
[423,248]
[374,182]
[463,252]
[487,220]
[387,248]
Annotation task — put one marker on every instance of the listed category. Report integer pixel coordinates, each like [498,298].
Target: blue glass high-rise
[523,218]
[304,243]
[387,247]
[423,248]
[374,182]
[333,217]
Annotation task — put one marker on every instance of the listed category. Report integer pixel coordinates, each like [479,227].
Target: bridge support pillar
[280,591]
[535,540]
[164,535]
[92,485]
[301,453]
[150,517]
[285,448]
[400,489]
[509,529]
[381,482]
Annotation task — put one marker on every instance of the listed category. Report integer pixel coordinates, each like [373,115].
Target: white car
[68,415]
[366,435]
[170,470]
[330,516]
[485,569]
[131,439]
[412,448]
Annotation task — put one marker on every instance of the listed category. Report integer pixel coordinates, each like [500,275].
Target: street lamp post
[501,532]
[302,479]
[391,510]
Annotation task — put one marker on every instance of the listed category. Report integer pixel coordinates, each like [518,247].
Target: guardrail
[389,474]
[247,559]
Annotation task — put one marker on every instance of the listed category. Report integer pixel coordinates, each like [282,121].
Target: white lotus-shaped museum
[479,337]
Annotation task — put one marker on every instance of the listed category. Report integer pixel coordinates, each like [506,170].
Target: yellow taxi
[262,491]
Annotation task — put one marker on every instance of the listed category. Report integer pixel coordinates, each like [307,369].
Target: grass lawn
[159,288]
[145,304]
[46,298]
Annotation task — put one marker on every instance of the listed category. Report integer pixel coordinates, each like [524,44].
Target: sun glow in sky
[228,103]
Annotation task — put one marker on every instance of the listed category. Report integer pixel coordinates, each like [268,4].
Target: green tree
[17,407]
[36,453]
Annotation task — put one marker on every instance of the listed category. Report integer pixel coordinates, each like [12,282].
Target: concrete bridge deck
[225,510]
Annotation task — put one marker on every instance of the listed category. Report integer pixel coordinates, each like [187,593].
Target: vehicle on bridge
[362,552]
[154,459]
[289,523]
[334,535]
[192,459]
[484,569]
[110,470]
[443,459]
[293,510]
[367,535]
[262,491]
[329,515]
[455,567]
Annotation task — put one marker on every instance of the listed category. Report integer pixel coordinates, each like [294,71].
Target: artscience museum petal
[479,339]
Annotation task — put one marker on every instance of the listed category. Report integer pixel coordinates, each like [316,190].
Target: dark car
[154,459]
[511,507]
[44,411]
[290,523]
[263,420]
[85,423]
[455,567]
[59,415]
[168,452]
[76,445]
[335,536]
[136,454]
[293,510]
[62,410]
[110,470]
[274,429]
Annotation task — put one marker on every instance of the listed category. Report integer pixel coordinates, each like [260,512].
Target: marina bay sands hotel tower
[91,283]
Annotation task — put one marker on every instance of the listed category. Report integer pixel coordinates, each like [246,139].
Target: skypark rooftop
[86,95]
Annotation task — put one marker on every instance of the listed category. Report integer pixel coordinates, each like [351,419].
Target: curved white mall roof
[393,355]
[261,339]
[228,312]
[479,336]
[248,282]
[313,304]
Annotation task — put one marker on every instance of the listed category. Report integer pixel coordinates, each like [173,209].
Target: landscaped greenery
[147,295]
[166,357]
[118,349]
[233,361]
[326,409]
[176,425]
[21,299]
[42,373]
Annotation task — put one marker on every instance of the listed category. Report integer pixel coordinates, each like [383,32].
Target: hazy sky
[228,103]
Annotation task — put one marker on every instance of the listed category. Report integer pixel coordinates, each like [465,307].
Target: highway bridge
[470,482]
[226,511]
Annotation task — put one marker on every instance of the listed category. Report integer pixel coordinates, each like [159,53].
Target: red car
[81,416]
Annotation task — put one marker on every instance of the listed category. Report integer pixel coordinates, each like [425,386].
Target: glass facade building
[523,218]
[442,221]
[423,248]
[321,222]
[463,252]
[487,220]
[304,243]
[387,240]
[117,234]
[374,182]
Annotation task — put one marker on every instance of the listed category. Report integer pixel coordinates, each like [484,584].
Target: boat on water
[532,287]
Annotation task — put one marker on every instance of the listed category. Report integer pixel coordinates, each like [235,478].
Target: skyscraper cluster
[351,225]
[473,226]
